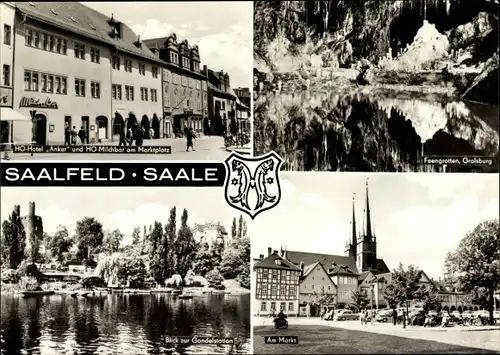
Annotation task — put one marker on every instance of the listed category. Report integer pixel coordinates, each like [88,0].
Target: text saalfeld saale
[198,174]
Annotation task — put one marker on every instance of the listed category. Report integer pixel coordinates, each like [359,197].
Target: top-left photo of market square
[125,81]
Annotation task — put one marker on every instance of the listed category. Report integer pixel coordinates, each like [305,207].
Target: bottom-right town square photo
[375,263]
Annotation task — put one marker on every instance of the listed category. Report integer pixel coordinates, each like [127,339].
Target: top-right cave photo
[377,86]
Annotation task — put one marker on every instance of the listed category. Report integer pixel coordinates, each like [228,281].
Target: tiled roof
[342,270]
[269,263]
[308,269]
[327,260]
[221,92]
[385,276]
[87,22]
[363,275]
[381,268]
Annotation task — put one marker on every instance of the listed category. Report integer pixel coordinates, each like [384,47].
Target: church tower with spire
[367,242]
[350,248]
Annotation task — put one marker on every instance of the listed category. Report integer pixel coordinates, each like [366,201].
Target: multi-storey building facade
[315,283]
[184,85]
[276,285]
[221,102]
[64,54]
[136,84]
[7,14]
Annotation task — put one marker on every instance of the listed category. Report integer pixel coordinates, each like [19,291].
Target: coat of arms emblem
[252,183]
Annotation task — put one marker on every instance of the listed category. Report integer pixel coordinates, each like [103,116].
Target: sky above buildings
[223,31]
[417,218]
[121,208]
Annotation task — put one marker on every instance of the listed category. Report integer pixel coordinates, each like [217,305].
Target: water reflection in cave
[382,132]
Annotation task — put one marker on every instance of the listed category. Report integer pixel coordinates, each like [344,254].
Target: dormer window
[53,11]
[73,19]
[277,261]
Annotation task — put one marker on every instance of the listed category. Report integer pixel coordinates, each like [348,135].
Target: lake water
[122,324]
[368,131]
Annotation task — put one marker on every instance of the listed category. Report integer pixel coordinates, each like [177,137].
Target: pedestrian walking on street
[130,136]
[82,135]
[372,316]
[394,317]
[122,137]
[139,136]
[151,133]
[362,317]
[73,135]
[189,139]
[67,135]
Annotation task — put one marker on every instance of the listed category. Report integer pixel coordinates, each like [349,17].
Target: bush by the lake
[29,283]
[10,276]
[215,280]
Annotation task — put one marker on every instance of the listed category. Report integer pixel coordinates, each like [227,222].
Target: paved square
[316,339]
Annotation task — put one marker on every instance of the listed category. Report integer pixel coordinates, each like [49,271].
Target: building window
[95,90]
[95,55]
[80,87]
[36,39]
[174,58]
[290,307]
[154,72]
[142,69]
[63,86]
[7,34]
[28,37]
[263,306]
[144,94]
[128,65]
[282,306]
[6,75]
[30,81]
[117,92]
[129,93]
[43,83]
[154,95]
[79,51]
[64,46]
[116,63]
[273,306]
[51,43]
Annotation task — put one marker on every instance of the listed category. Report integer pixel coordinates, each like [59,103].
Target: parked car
[384,316]
[456,314]
[483,314]
[346,315]
[496,315]
[328,315]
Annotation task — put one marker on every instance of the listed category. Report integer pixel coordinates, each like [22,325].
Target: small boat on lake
[37,293]
[186,296]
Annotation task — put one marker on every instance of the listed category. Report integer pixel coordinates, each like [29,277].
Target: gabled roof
[327,260]
[342,270]
[308,269]
[381,267]
[88,23]
[385,276]
[363,275]
[269,263]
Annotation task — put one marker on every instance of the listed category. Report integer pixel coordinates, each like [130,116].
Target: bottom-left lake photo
[123,271]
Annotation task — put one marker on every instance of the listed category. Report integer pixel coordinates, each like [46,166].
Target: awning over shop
[8,114]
